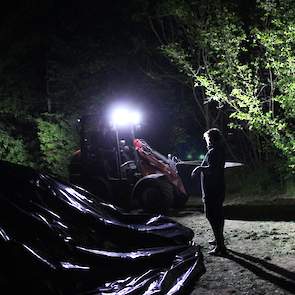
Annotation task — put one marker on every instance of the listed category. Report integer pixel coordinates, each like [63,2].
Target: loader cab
[107,152]
[125,171]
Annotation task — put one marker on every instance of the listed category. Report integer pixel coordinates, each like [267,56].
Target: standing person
[213,187]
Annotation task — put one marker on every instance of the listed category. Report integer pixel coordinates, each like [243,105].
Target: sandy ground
[260,259]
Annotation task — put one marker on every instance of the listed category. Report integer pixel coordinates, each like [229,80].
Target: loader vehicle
[125,170]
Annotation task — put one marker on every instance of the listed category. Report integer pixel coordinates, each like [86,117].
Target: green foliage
[263,181]
[45,142]
[251,73]
[290,187]
[180,57]
[57,143]
[13,149]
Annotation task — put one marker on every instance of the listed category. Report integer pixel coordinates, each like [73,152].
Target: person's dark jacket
[212,176]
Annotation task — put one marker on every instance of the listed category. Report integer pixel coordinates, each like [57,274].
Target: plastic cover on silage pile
[58,239]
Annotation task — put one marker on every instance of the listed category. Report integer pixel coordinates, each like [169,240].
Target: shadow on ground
[277,275]
[272,212]
[248,212]
[186,211]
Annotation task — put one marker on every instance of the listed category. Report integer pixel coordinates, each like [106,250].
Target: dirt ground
[261,248]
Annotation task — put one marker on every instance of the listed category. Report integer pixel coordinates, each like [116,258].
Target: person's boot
[212,242]
[219,248]
[215,233]
[218,251]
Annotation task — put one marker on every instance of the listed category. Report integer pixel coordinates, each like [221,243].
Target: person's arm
[196,171]
[211,164]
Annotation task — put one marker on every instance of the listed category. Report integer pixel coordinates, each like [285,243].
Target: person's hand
[196,171]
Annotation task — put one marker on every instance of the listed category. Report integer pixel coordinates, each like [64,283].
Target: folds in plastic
[56,238]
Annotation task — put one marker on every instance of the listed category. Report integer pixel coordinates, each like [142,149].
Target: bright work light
[122,116]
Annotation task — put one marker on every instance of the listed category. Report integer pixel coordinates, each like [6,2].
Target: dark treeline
[177,59]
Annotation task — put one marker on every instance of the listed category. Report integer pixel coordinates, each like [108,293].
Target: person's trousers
[215,214]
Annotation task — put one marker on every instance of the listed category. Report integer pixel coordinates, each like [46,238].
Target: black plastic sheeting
[56,238]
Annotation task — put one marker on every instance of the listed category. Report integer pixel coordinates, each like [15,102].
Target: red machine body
[124,170]
[152,162]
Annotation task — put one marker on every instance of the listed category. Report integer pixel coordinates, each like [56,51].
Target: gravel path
[261,259]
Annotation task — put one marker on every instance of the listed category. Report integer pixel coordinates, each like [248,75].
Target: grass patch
[262,182]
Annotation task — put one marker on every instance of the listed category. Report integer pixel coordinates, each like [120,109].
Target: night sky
[79,35]
[79,32]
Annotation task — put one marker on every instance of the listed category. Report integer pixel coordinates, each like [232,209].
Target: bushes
[264,180]
[46,142]
[57,143]
[13,149]
[290,187]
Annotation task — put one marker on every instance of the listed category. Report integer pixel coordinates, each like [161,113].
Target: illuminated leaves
[252,72]
[57,143]
[13,149]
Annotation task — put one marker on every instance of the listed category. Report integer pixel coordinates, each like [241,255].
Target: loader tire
[179,200]
[156,196]
[101,188]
